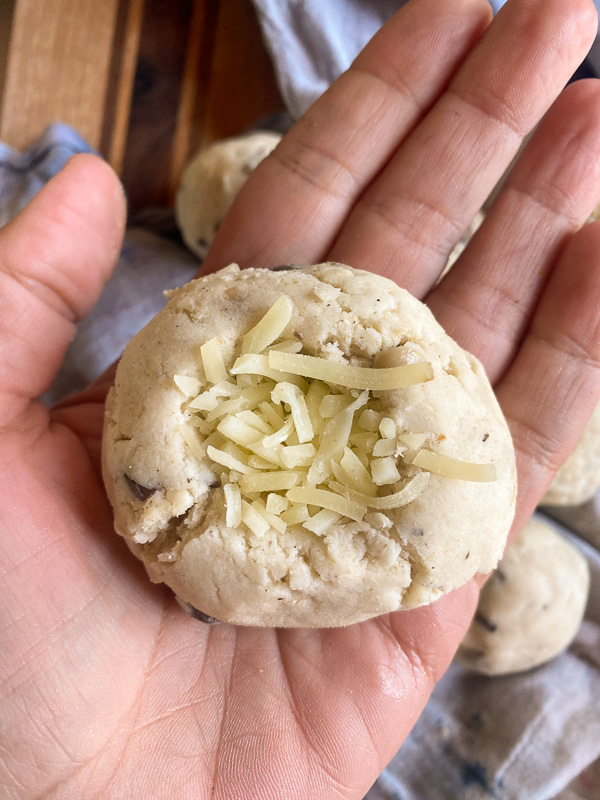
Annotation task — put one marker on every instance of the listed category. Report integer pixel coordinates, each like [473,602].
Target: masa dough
[170,505]
[531,607]
[579,477]
[212,181]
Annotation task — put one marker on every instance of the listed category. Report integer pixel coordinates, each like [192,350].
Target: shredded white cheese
[364,441]
[270,454]
[387,428]
[296,515]
[384,447]
[285,392]
[299,455]
[259,463]
[300,440]
[369,420]
[255,421]
[384,471]
[326,293]
[204,402]
[412,440]
[190,437]
[273,520]
[332,404]
[237,431]
[221,457]
[276,504]
[453,467]
[357,476]
[287,346]
[270,327]
[402,498]
[321,521]
[212,361]
[325,499]
[334,439]
[349,376]
[255,521]
[269,481]
[225,407]
[201,425]
[186,384]
[280,436]
[233,505]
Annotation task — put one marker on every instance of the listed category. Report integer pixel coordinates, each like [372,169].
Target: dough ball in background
[595,215]
[579,477]
[213,471]
[463,242]
[531,607]
[212,181]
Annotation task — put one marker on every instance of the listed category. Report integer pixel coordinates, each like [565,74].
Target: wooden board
[147,82]
[57,68]
[202,74]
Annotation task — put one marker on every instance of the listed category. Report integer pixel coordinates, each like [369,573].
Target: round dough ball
[462,243]
[170,505]
[595,215]
[212,181]
[579,477]
[531,607]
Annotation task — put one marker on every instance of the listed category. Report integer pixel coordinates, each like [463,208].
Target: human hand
[107,688]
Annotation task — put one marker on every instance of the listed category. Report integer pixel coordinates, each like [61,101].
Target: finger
[293,205]
[385,670]
[55,258]
[486,300]
[408,221]
[553,385]
[84,412]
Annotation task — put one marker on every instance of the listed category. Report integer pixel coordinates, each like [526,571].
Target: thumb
[55,258]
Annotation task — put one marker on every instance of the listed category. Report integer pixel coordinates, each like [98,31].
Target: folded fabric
[312,42]
[22,175]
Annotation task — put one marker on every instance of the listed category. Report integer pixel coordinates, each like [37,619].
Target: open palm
[107,688]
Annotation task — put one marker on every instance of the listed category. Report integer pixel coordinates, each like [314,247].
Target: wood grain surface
[146,82]
[58,59]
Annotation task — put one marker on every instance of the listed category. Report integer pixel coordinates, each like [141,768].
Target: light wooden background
[146,82]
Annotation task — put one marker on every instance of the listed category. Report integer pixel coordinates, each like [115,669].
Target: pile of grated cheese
[300,440]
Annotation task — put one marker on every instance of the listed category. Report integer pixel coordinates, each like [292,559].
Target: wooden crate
[146,82]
